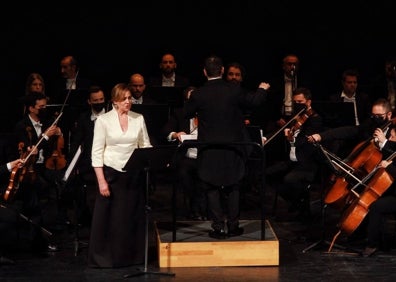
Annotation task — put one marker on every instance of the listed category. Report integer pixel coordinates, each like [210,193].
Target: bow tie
[38,124]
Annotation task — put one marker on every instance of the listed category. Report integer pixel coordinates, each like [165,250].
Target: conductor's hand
[314,138]
[264,85]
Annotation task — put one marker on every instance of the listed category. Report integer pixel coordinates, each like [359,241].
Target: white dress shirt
[37,127]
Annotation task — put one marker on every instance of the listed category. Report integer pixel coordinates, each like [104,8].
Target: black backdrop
[115,40]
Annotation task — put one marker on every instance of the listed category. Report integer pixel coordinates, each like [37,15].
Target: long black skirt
[117,236]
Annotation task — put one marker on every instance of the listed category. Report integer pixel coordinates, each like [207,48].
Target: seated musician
[4,168]
[383,206]
[177,127]
[300,169]
[379,129]
[380,116]
[36,129]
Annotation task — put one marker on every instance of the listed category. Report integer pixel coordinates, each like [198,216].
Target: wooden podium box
[194,248]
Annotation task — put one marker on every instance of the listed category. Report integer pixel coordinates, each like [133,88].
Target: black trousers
[190,185]
[223,205]
[377,219]
[295,177]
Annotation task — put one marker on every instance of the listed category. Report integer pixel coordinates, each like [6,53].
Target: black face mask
[297,108]
[42,113]
[378,121]
[98,107]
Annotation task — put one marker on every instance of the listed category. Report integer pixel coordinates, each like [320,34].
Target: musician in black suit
[219,106]
[137,87]
[274,114]
[298,171]
[36,129]
[71,89]
[378,128]
[385,205]
[186,164]
[84,186]
[381,115]
[350,93]
[168,76]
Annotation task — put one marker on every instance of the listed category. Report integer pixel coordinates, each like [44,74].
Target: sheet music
[72,164]
[191,152]
[188,137]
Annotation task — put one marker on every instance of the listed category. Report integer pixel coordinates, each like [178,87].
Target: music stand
[155,116]
[149,159]
[335,114]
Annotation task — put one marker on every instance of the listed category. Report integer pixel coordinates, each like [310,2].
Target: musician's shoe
[217,234]
[6,261]
[368,252]
[235,232]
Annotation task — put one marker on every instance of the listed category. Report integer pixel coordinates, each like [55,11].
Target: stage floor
[296,263]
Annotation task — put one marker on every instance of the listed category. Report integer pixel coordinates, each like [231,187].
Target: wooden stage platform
[194,248]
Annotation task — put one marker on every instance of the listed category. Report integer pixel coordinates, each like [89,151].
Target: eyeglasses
[378,115]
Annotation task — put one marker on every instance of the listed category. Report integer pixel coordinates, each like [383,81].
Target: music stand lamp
[149,159]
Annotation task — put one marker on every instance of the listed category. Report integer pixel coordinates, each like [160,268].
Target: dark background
[114,40]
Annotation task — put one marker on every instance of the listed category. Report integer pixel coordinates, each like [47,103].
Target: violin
[299,121]
[302,120]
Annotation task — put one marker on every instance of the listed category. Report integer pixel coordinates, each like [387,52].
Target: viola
[18,173]
[299,121]
[57,160]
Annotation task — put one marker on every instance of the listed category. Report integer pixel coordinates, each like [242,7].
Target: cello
[363,159]
[379,182]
